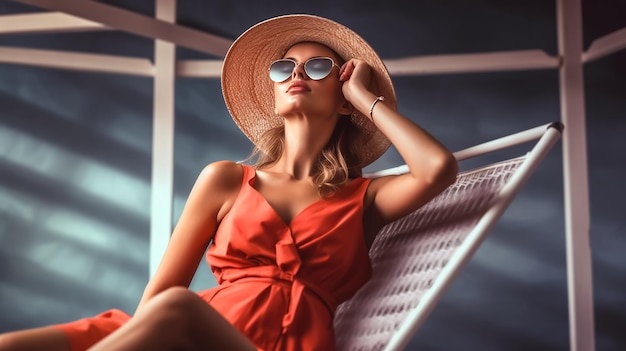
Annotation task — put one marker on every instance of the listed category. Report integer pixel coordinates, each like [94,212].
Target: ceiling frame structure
[89,15]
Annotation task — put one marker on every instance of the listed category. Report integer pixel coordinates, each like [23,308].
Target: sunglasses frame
[296,64]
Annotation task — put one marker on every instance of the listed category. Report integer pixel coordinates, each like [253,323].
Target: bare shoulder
[222,175]
[218,186]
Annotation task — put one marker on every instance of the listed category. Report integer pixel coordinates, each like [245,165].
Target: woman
[288,237]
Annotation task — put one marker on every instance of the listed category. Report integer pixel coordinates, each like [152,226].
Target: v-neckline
[252,178]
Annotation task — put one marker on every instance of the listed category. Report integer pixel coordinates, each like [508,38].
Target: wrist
[373,105]
[363,102]
[354,92]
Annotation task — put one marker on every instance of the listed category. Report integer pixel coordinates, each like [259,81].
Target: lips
[298,86]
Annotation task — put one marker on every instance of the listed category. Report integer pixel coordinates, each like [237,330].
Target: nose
[298,71]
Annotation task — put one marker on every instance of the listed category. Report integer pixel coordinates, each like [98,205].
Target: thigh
[177,318]
[45,338]
[206,327]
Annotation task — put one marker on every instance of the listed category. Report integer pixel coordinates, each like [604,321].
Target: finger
[342,72]
[347,69]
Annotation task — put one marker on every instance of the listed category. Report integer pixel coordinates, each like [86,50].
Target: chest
[287,197]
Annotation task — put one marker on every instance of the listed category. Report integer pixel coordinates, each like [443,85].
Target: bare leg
[45,338]
[176,319]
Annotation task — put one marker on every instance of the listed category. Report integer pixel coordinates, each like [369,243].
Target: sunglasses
[315,68]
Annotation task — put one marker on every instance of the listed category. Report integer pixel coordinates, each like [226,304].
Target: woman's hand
[355,75]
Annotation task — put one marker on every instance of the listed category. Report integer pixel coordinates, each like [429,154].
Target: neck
[305,139]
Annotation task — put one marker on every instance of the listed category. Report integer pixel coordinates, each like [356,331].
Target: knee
[7,342]
[172,307]
[176,299]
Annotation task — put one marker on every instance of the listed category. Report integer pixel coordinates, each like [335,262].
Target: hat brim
[248,93]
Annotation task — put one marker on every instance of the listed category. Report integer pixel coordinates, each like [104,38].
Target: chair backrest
[415,258]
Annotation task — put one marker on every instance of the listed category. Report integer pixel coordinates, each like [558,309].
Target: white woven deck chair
[416,258]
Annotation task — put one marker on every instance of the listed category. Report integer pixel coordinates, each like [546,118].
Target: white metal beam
[76,61]
[138,24]
[606,45]
[479,62]
[199,68]
[576,187]
[48,22]
[490,62]
[104,63]
[419,65]
[162,139]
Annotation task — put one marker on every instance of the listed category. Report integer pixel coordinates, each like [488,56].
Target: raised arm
[432,167]
[209,200]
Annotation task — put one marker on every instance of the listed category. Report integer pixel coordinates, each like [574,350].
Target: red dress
[279,283]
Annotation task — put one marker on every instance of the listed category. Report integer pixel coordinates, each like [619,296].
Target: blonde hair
[338,162]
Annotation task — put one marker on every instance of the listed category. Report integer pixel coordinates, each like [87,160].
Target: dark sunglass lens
[318,68]
[281,70]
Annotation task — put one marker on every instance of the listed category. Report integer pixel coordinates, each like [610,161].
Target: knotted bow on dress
[280,283]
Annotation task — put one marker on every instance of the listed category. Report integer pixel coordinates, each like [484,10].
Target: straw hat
[248,90]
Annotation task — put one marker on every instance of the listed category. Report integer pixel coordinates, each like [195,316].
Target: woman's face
[300,94]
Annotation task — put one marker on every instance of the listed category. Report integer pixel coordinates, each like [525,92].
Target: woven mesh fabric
[409,254]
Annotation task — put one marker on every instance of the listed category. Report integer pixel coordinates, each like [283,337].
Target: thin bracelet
[379,98]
